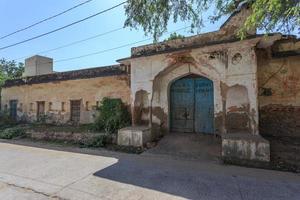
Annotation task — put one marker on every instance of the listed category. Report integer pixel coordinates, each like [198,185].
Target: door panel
[182,105]
[204,106]
[75,111]
[40,110]
[192,105]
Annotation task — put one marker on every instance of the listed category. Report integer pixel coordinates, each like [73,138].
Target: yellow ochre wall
[89,91]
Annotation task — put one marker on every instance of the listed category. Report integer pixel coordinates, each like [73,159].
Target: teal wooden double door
[192,105]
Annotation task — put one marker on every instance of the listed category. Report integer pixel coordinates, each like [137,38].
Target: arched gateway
[223,102]
[192,105]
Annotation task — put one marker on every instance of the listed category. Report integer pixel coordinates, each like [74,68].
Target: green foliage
[98,141]
[126,149]
[5,120]
[112,116]
[273,15]
[10,70]
[42,119]
[175,36]
[83,128]
[154,15]
[10,133]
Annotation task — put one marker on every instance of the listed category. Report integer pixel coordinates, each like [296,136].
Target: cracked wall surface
[227,65]
[279,89]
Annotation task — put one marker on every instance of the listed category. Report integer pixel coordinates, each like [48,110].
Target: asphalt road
[40,173]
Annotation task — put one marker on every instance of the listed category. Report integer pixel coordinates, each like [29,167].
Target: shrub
[5,120]
[98,141]
[112,115]
[10,133]
[41,119]
[174,36]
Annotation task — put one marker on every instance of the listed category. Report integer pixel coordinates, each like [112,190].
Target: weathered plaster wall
[237,106]
[89,91]
[230,66]
[38,65]
[279,91]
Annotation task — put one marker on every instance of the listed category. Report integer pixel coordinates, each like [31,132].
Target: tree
[174,36]
[268,15]
[10,70]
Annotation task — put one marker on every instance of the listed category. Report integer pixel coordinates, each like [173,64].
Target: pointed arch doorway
[192,105]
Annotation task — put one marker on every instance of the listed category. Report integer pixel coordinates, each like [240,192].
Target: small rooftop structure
[38,65]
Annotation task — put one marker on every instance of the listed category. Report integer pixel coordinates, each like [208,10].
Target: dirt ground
[190,146]
[285,153]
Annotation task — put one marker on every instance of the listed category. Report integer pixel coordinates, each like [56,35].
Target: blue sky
[16,14]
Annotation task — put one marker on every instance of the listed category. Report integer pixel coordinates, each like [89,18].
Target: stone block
[245,147]
[134,136]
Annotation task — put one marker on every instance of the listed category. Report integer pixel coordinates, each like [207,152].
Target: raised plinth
[136,136]
[237,147]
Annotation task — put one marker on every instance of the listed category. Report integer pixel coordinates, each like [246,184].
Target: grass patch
[125,149]
[10,133]
[86,128]
[93,139]
[101,140]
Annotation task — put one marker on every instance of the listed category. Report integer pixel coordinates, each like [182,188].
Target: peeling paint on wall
[155,74]
[279,94]
[237,109]
[90,91]
[141,108]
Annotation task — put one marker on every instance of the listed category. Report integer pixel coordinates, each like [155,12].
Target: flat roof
[112,70]
[193,42]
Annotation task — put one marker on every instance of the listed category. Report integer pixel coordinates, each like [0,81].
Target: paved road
[188,145]
[37,173]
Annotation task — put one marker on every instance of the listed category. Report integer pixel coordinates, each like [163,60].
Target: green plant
[112,115]
[126,149]
[174,36]
[154,16]
[10,133]
[10,70]
[98,141]
[42,119]
[5,120]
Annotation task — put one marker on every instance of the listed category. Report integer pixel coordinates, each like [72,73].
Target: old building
[213,83]
[66,97]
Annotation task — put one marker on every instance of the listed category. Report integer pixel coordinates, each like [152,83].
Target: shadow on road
[190,179]
[200,182]
[158,176]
